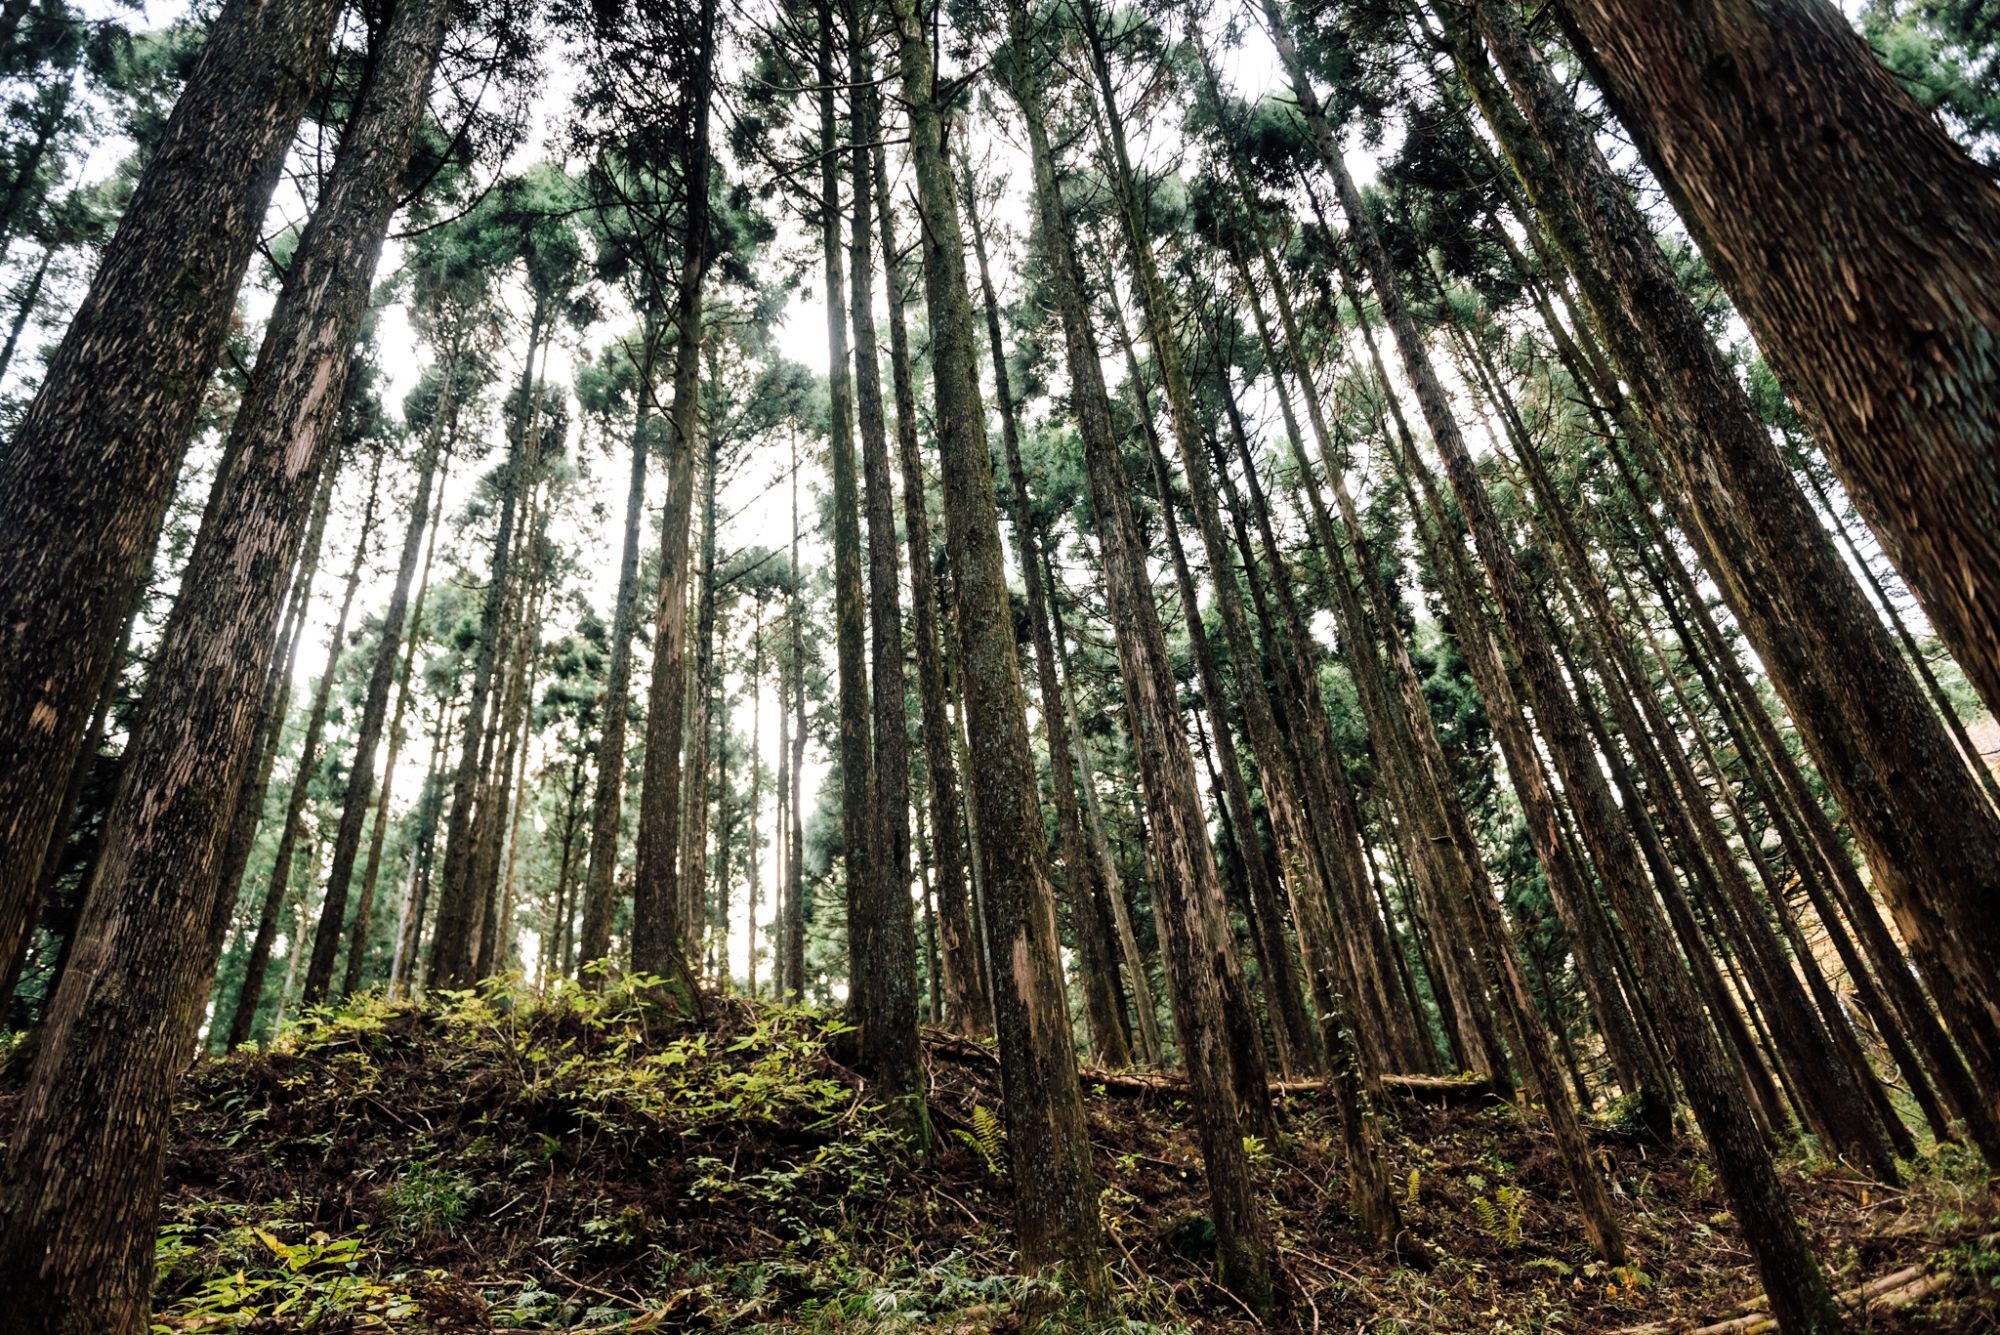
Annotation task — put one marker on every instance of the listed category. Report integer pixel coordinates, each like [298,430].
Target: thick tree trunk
[98,448]
[1055,1188]
[84,1162]
[1869,272]
[1931,839]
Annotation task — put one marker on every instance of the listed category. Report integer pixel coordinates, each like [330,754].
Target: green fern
[1489,1217]
[1410,1191]
[988,1138]
[1514,1203]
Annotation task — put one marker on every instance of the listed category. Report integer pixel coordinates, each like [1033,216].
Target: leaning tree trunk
[251,995]
[1931,839]
[1055,1188]
[1868,269]
[1798,1290]
[85,1159]
[98,448]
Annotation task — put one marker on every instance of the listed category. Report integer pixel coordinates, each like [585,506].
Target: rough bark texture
[83,1165]
[1056,1199]
[1798,1291]
[656,897]
[968,1005]
[100,444]
[1098,972]
[1868,269]
[1933,843]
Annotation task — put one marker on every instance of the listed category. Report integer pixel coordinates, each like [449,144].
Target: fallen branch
[1898,1288]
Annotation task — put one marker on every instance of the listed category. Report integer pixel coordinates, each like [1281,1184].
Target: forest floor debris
[474,1164]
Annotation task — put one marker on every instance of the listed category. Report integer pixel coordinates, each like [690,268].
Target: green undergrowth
[589,1162]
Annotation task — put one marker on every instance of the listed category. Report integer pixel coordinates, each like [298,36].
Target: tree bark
[1055,1187]
[1869,272]
[84,1162]
[100,444]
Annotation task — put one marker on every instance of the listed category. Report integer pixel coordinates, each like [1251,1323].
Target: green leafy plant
[428,1200]
[987,1137]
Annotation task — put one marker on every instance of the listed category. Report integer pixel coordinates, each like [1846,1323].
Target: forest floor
[582,1165]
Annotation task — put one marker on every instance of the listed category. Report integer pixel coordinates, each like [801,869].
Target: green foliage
[264,1279]
[987,1138]
[428,1200]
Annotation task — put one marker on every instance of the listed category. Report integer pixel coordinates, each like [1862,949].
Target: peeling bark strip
[83,1169]
[1056,1207]
[99,447]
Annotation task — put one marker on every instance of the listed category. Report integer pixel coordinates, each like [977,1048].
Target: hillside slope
[475,1165]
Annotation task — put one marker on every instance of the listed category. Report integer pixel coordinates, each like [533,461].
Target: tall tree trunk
[1869,272]
[1055,1188]
[608,802]
[887,949]
[100,444]
[795,840]
[1798,1290]
[656,946]
[375,710]
[455,942]
[251,994]
[371,869]
[84,1161]
[1931,839]
[1095,964]
[968,1004]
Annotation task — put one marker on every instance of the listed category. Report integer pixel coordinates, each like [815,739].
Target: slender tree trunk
[100,444]
[967,1002]
[375,711]
[1095,965]
[251,994]
[84,1161]
[607,804]
[887,950]
[656,931]
[455,942]
[1055,1188]
[372,867]
[795,839]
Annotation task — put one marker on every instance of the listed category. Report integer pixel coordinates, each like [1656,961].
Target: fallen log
[1898,1288]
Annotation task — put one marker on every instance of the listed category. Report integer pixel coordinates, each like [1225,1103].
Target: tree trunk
[1932,840]
[968,1002]
[374,713]
[1087,918]
[251,994]
[656,930]
[886,951]
[84,1162]
[1869,272]
[1798,1291]
[100,444]
[608,802]
[1055,1188]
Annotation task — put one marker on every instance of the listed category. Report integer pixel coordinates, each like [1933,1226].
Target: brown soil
[592,1167]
